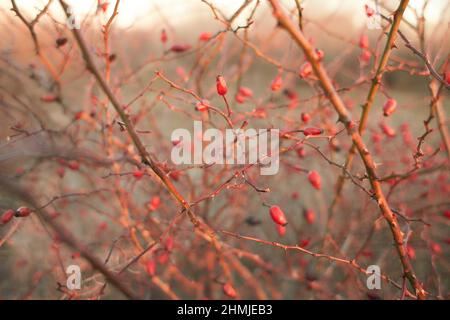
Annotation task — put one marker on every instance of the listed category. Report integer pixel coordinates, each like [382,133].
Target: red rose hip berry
[389,107]
[278,215]
[221,86]
[22,212]
[229,290]
[315,180]
[7,216]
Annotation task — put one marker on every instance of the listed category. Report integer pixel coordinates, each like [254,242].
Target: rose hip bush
[87,178]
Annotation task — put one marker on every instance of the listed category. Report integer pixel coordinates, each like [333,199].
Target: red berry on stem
[7,216]
[205,36]
[175,175]
[150,267]
[80,115]
[138,174]
[305,117]
[364,42]
[312,131]
[154,204]
[436,248]
[281,230]
[389,107]
[388,131]
[259,113]
[351,124]
[229,290]
[22,212]
[292,95]
[104,6]
[365,56]
[163,36]
[74,165]
[304,243]
[168,244]
[202,105]
[48,98]
[319,54]
[369,11]
[278,215]
[376,137]
[239,98]
[310,216]
[277,83]
[178,48]
[221,86]
[163,257]
[301,152]
[306,70]
[411,252]
[315,180]
[245,92]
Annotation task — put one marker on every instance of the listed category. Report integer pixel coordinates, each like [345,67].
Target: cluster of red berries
[9,214]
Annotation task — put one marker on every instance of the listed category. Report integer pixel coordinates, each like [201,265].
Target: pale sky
[138,13]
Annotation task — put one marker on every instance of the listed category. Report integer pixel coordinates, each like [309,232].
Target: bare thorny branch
[359,144]
[31,28]
[200,226]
